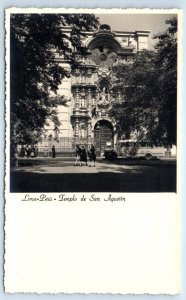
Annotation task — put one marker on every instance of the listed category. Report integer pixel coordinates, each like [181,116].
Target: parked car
[110,152]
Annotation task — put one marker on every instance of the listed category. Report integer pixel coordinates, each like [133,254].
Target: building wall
[65,112]
[89,88]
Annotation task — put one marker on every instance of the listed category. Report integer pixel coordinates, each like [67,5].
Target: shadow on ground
[158,178]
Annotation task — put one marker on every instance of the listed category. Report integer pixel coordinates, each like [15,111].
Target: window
[82,102]
[83,133]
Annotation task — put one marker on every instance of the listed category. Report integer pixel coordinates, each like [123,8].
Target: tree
[35,73]
[166,69]
[137,83]
[148,84]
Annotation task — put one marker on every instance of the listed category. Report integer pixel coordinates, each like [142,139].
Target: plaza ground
[121,175]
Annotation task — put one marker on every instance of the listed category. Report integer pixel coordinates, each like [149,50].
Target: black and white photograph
[93,102]
[92,189]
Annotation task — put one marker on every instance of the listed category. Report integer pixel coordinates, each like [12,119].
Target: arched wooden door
[103,133]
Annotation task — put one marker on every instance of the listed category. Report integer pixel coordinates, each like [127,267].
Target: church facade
[91,90]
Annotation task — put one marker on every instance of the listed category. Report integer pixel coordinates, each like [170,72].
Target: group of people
[82,155]
[32,151]
[28,151]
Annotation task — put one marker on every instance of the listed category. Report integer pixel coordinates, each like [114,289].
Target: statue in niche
[103,99]
[103,95]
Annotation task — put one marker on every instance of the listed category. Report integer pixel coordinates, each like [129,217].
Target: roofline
[117,32]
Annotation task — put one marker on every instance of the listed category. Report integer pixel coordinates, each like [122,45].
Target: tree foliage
[149,91]
[166,69]
[136,110]
[35,73]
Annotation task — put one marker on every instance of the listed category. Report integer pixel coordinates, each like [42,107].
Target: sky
[155,23]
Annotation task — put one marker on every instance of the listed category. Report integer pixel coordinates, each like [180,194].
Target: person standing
[28,151]
[92,155]
[36,151]
[78,156]
[53,152]
[32,154]
[22,151]
[83,155]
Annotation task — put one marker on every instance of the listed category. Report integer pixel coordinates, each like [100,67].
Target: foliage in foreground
[149,89]
[35,74]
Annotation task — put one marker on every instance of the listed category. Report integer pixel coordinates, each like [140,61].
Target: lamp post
[98,138]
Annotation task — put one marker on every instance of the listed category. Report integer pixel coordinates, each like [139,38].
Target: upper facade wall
[121,41]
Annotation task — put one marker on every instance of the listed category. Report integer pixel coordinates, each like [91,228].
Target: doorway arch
[103,134]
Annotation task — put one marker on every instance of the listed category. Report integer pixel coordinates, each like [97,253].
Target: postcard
[92,190]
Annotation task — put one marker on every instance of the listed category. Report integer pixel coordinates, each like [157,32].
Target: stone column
[89,132]
[76,129]
[115,136]
[76,97]
[89,93]
[89,128]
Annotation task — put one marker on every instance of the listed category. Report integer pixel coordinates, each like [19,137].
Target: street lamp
[98,138]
